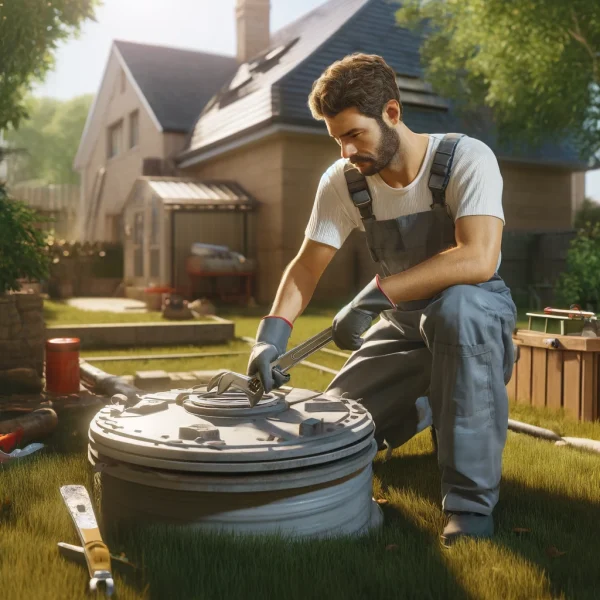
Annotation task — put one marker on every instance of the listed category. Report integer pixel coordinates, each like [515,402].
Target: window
[138,244]
[134,129]
[115,136]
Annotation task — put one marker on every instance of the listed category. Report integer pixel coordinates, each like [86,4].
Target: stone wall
[22,332]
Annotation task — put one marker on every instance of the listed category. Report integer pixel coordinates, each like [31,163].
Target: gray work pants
[458,351]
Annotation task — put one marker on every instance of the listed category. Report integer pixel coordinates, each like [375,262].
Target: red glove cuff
[278,317]
[378,282]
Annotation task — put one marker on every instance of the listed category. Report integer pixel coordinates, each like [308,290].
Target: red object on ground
[9,441]
[62,366]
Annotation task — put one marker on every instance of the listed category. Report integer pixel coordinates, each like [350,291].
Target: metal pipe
[106,384]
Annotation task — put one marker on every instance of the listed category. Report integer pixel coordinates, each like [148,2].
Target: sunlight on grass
[550,494]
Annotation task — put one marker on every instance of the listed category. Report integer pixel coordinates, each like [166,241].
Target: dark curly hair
[363,81]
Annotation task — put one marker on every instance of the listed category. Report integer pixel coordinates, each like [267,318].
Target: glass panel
[154,228]
[155,262]
[138,262]
[138,228]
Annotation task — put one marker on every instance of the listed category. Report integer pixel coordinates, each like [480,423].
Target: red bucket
[62,366]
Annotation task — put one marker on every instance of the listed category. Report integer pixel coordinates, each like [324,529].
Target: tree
[580,283]
[535,65]
[587,215]
[22,244]
[49,139]
[30,31]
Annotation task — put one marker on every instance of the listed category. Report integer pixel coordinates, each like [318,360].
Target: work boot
[466,524]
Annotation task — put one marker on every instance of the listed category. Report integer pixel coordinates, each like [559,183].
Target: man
[431,206]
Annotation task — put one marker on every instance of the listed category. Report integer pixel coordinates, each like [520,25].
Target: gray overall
[455,348]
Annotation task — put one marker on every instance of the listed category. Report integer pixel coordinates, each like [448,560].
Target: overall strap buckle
[359,192]
[441,167]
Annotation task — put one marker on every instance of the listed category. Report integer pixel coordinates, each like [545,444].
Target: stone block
[29,331]
[152,381]
[12,349]
[146,334]
[19,381]
[32,317]
[6,332]
[9,314]
[6,300]
[27,302]
[16,328]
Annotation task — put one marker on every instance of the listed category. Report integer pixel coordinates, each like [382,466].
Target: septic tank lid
[194,430]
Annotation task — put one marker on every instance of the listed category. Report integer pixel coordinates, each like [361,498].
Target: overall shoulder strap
[359,192]
[441,167]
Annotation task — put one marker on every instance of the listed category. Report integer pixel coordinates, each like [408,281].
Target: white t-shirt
[475,188]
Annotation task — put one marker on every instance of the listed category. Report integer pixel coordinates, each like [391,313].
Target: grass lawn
[552,494]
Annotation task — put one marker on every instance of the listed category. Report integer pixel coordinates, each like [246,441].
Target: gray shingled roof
[326,34]
[176,83]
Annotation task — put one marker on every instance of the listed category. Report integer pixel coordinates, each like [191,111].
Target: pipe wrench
[252,386]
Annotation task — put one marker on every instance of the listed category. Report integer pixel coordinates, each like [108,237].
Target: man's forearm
[295,291]
[456,266]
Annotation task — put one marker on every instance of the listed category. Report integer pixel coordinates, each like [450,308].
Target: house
[257,131]
[148,102]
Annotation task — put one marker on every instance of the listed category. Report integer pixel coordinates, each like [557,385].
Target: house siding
[123,169]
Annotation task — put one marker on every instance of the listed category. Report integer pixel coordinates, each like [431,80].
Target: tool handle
[96,553]
[292,357]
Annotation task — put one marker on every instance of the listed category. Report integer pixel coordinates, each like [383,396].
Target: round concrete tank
[298,463]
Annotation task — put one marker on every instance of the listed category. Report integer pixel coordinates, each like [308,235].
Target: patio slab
[116,305]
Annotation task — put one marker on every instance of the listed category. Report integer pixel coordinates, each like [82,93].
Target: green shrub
[580,283]
[22,244]
[588,214]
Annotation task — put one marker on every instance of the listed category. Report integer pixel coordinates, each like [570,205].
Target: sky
[207,25]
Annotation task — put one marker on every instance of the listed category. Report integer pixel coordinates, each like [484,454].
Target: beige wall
[123,169]
[173,144]
[538,197]
[258,169]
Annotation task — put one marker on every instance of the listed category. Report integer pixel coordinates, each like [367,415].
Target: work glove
[355,318]
[271,342]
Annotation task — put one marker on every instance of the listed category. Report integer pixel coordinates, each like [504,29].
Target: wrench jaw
[215,381]
[251,386]
[102,577]
[255,391]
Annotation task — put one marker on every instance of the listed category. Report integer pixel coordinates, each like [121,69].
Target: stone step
[162,381]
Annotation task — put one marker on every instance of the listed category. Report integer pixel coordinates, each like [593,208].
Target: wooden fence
[531,264]
[58,202]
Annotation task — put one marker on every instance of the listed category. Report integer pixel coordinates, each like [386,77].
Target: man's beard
[386,151]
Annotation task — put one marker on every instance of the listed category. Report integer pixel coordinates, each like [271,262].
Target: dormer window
[249,71]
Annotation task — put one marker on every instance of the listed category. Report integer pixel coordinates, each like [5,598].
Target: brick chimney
[253,35]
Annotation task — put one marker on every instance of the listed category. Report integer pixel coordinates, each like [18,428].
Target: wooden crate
[565,376]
